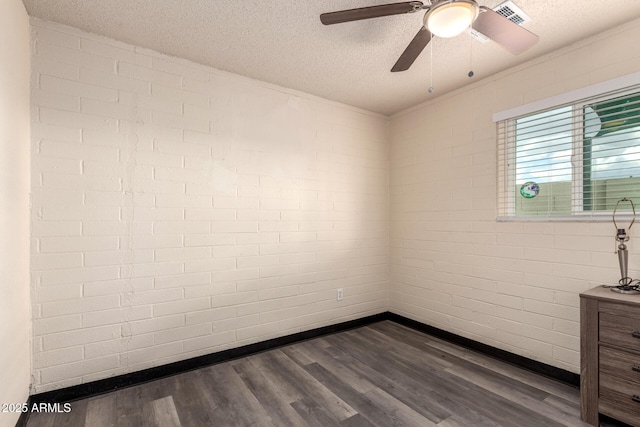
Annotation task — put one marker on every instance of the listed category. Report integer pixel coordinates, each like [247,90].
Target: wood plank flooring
[380,375]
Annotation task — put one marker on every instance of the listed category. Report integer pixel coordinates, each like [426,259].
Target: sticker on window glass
[529,190]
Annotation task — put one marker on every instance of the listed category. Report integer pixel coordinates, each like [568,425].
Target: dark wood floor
[380,375]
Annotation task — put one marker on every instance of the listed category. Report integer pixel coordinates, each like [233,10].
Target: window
[575,159]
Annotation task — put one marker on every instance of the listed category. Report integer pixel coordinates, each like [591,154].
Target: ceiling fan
[444,18]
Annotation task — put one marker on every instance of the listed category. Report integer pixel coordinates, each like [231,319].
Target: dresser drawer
[619,331]
[620,363]
[619,398]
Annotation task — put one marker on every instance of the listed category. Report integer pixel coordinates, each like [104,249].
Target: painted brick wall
[178,210]
[512,285]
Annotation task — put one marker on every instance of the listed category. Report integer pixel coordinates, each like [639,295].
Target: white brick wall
[178,210]
[511,285]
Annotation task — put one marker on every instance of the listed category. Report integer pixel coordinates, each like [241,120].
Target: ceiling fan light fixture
[448,18]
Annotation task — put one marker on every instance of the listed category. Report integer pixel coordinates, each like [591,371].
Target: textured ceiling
[284,43]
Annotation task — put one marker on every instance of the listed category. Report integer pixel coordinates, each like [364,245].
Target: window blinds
[573,159]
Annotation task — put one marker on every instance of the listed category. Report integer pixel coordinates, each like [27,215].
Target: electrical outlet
[339,295]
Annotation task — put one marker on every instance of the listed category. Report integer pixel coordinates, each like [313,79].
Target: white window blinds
[576,159]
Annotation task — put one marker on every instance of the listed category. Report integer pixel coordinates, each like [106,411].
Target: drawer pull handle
[635,334]
[635,398]
[636,368]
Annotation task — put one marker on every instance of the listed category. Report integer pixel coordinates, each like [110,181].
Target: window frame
[506,148]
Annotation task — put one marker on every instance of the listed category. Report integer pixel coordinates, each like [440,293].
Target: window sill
[621,218]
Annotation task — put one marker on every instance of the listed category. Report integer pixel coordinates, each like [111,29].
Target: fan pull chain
[470,74]
[431,64]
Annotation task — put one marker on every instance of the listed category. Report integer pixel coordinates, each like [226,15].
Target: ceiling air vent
[509,10]
[512,12]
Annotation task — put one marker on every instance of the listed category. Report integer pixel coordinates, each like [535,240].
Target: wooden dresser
[610,356]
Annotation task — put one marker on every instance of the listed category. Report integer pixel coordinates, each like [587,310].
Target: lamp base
[626,289]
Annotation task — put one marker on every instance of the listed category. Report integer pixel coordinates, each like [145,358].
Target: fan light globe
[448,18]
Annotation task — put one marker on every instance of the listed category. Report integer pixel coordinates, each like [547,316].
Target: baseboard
[106,385]
[556,373]
[24,417]
[98,387]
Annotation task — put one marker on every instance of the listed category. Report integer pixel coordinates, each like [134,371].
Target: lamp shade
[448,18]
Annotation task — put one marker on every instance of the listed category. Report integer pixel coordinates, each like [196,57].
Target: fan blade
[508,34]
[370,12]
[415,48]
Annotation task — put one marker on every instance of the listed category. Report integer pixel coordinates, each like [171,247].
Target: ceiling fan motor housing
[449,18]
